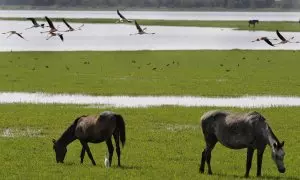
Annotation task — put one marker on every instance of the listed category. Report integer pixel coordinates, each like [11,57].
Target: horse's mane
[69,132]
[273,135]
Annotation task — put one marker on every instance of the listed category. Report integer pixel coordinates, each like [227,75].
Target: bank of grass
[292,26]
[162,143]
[198,73]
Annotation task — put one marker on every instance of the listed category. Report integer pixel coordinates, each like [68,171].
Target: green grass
[162,143]
[127,73]
[239,25]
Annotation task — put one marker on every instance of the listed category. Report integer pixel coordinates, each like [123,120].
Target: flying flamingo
[52,34]
[140,30]
[267,40]
[35,24]
[122,18]
[70,27]
[284,40]
[14,32]
[52,28]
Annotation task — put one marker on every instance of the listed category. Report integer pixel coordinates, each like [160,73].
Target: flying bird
[140,30]
[70,27]
[52,34]
[283,39]
[35,24]
[14,32]
[122,18]
[52,27]
[267,40]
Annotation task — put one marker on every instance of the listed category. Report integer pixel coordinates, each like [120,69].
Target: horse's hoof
[201,171]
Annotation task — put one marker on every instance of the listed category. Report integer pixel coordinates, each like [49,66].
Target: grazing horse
[237,131]
[94,129]
[253,22]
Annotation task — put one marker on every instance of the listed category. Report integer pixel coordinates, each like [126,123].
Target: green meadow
[292,26]
[197,73]
[162,143]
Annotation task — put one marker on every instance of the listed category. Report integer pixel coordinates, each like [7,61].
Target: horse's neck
[67,137]
[271,138]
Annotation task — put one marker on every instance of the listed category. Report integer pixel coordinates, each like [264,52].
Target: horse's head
[278,156]
[60,151]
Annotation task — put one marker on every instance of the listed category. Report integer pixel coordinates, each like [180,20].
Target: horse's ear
[282,144]
[54,141]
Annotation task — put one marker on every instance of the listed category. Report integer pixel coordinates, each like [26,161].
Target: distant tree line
[159,3]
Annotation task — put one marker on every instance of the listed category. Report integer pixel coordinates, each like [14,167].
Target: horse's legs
[87,148]
[202,163]
[260,153]
[211,141]
[249,160]
[116,137]
[82,154]
[110,150]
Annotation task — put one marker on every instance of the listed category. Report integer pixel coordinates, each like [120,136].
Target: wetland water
[115,37]
[165,15]
[148,101]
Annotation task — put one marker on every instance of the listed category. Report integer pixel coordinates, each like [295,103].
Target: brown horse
[94,129]
[237,131]
[253,22]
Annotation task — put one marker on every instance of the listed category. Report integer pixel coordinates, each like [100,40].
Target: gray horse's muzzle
[281,170]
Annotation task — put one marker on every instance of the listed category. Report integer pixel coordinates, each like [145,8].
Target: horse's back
[85,125]
[97,127]
[233,130]
[250,117]
[211,116]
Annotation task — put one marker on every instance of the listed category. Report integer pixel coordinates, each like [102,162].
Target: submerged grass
[162,143]
[292,26]
[199,73]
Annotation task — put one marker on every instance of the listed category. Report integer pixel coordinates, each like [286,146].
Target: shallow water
[115,37]
[148,101]
[23,132]
[166,15]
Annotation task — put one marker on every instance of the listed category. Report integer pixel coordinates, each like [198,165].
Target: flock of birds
[51,33]
[55,32]
[283,40]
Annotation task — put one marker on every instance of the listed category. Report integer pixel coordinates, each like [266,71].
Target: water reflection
[113,37]
[166,15]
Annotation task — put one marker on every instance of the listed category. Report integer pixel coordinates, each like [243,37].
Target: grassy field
[206,73]
[162,143]
[239,25]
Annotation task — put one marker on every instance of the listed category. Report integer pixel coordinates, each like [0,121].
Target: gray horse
[237,131]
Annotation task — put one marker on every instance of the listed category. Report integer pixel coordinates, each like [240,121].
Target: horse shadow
[129,167]
[232,176]
[123,167]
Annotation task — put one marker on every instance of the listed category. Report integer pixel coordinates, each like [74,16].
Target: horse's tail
[121,127]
